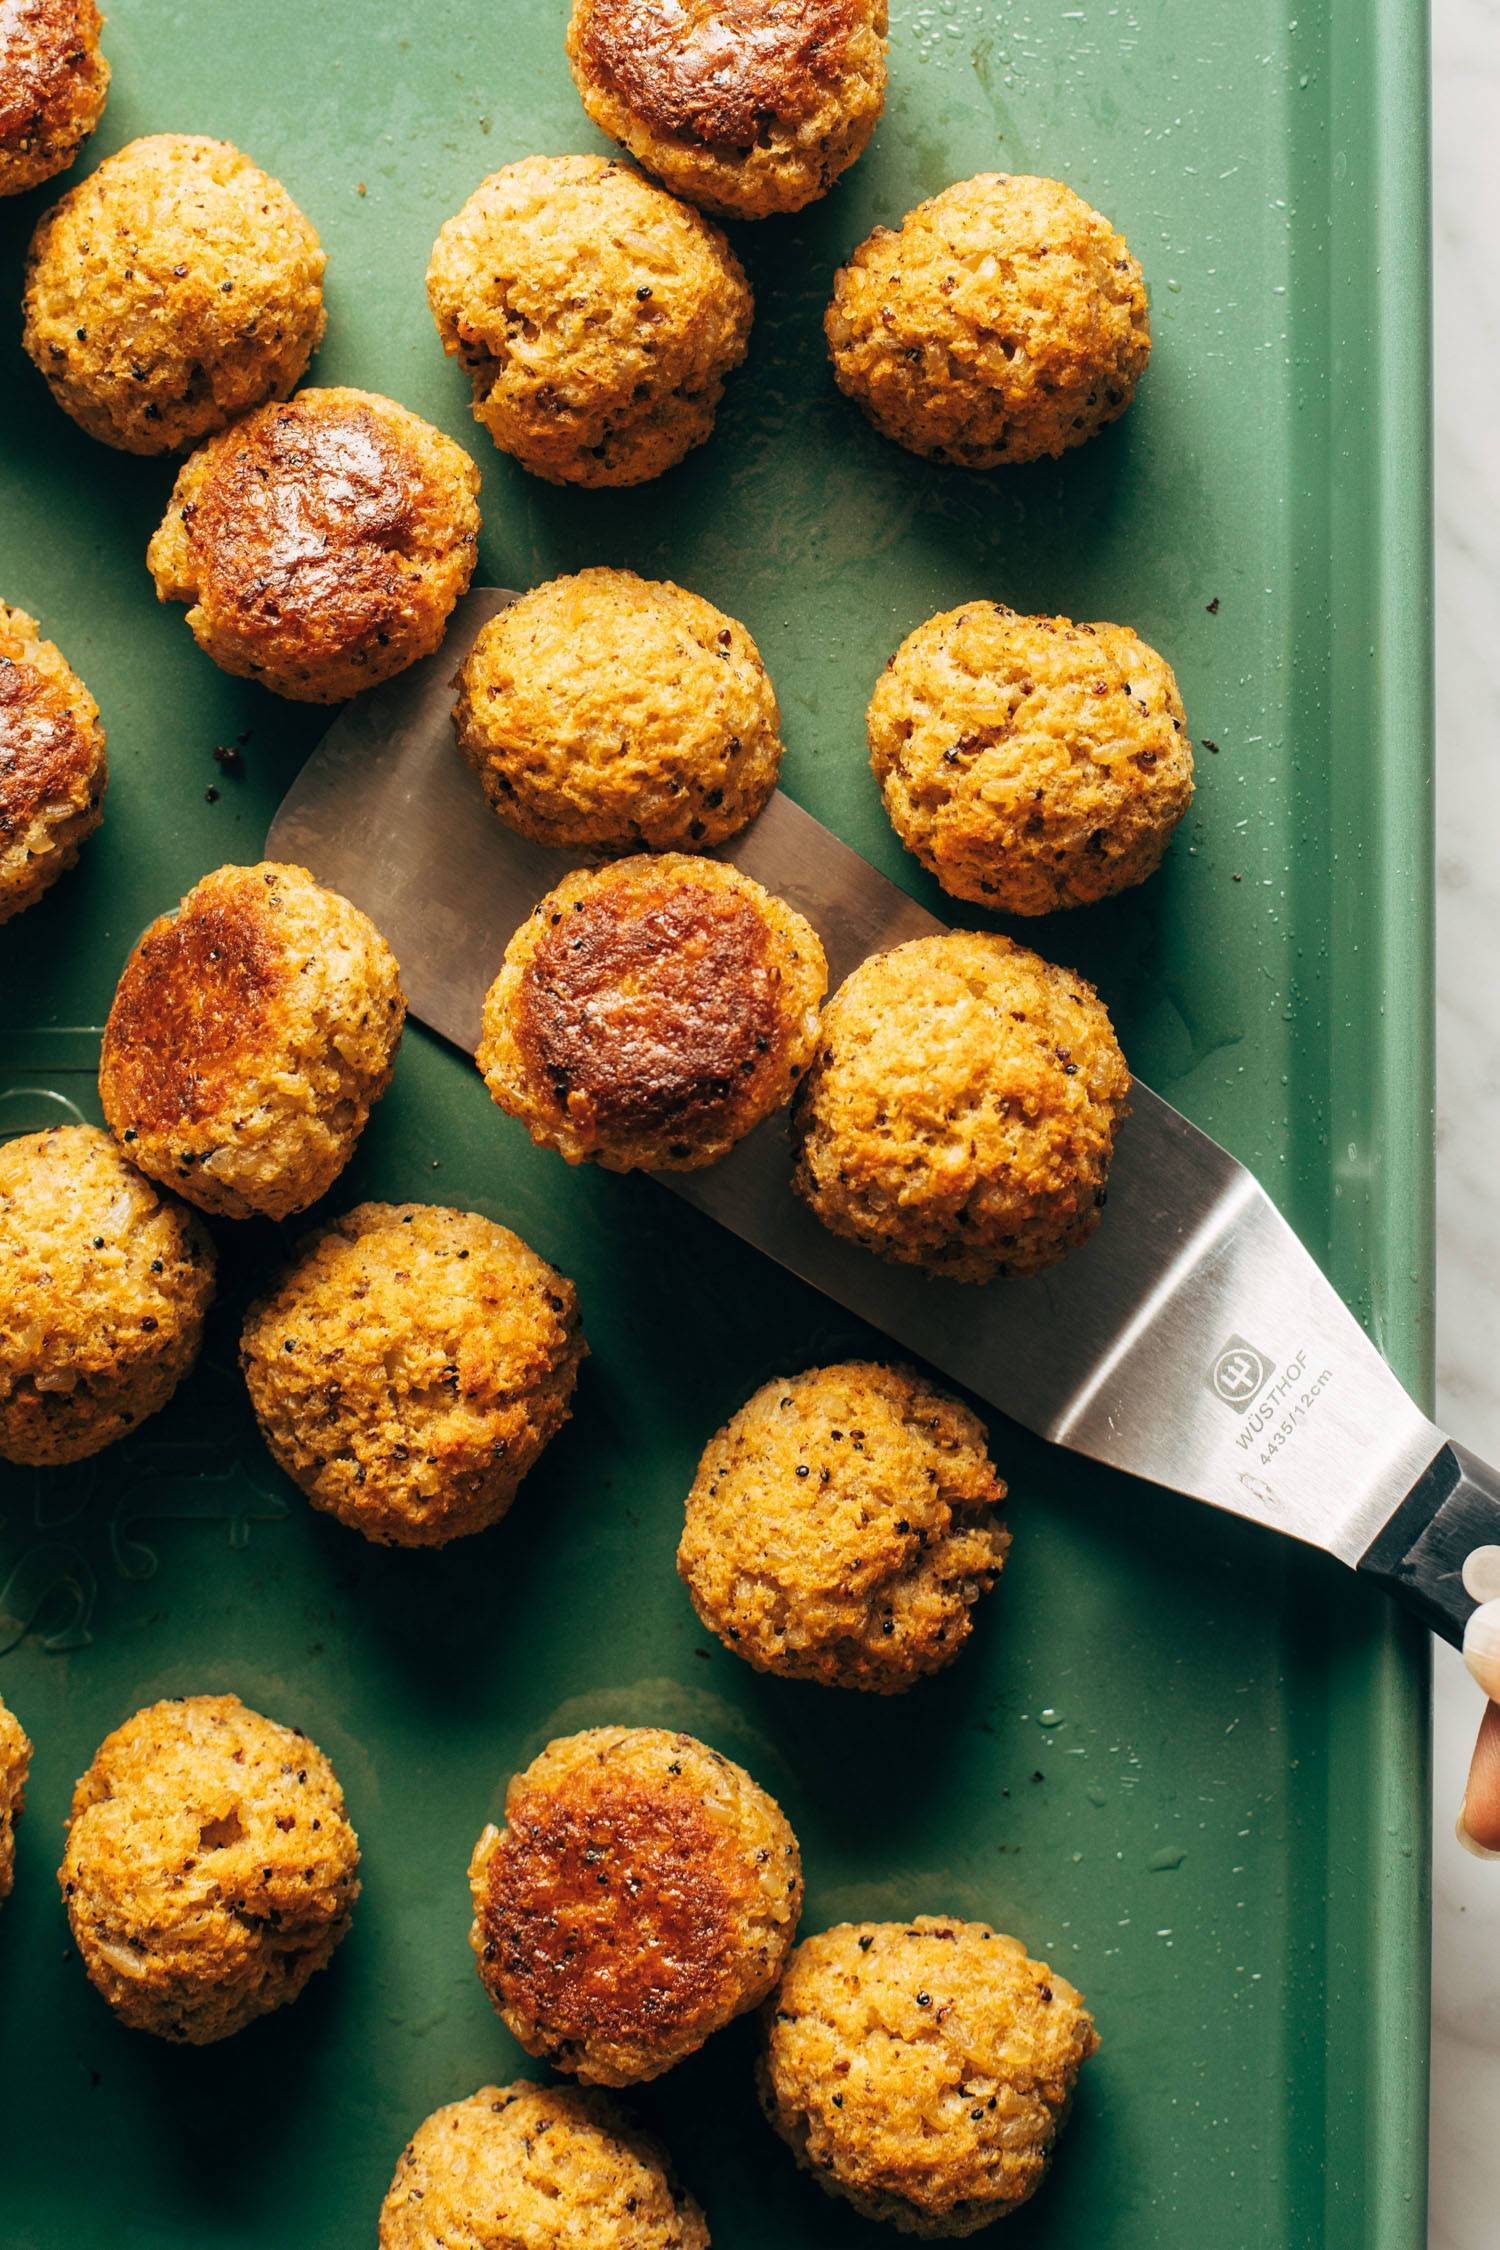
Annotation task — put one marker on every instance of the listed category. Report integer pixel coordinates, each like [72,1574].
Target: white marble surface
[1466,1937]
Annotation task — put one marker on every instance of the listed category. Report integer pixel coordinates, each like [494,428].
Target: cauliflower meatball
[410,1367]
[597,317]
[1030,763]
[104,1286]
[1006,320]
[53,81]
[842,1526]
[613,712]
[321,543]
[746,107]
[528,2167]
[172,289]
[960,1112]
[921,2070]
[15,1758]
[251,1031]
[642,1893]
[649,1013]
[210,1867]
[53,769]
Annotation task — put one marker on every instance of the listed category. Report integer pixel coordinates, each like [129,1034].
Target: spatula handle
[1432,1553]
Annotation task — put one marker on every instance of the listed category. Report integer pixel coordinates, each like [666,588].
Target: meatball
[104,1286]
[622,713]
[597,317]
[172,289]
[53,81]
[1030,763]
[53,769]
[210,1867]
[321,543]
[410,1367]
[15,1758]
[842,1526]
[649,1013]
[921,2070]
[1006,320]
[746,107]
[251,1031]
[528,2167]
[643,1893]
[960,1112]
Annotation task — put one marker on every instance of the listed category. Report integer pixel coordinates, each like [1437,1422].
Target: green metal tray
[1183,1761]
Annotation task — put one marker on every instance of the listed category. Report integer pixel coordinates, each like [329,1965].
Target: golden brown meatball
[210,1867]
[322,543]
[621,713]
[410,1367]
[104,1286]
[842,1526]
[597,316]
[53,81]
[1006,320]
[1030,763]
[746,107]
[251,1031]
[15,1758]
[649,1013]
[922,2070]
[960,1112]
[643,1893]
[172,289]
[528,2167]
[53,770]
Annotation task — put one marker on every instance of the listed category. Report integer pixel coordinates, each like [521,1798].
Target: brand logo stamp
[1239,1373]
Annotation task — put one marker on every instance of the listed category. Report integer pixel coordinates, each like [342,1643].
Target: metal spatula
[1192,1340]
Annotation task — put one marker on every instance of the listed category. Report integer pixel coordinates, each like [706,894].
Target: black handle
[1453,1508]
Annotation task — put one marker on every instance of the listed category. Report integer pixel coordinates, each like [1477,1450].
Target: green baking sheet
[1184,1762]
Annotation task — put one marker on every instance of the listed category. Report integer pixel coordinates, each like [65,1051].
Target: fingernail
[1470,1844]
[1482,1647]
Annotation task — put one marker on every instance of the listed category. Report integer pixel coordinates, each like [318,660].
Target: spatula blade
[1192,1341]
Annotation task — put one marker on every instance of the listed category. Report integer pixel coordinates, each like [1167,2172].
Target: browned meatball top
[715,70]
[303,524]
[43,744]
[656,1003]
[200,993]
[614,1906]
[46,49]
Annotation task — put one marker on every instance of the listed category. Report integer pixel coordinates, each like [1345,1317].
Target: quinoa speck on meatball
[619,713]
[53,81]
[595,314]
[960,1112]
[410,1367]
[746,107]
[105,1283]
[251,1031]
[922,2070]
[1005,320]
[210,1867]
[842,1526]
[642,1893]
[1030,763]
[321,543]
[526,2167]
[53,768]
[173,288]
[649,1013]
